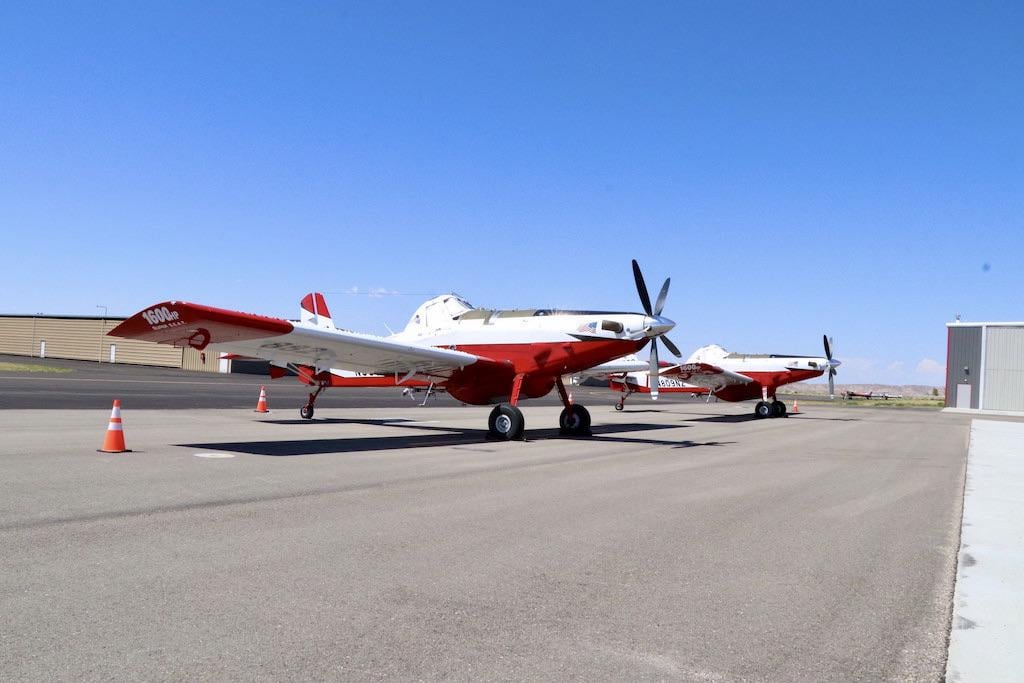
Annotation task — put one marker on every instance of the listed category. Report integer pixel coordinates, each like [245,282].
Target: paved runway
[682,542]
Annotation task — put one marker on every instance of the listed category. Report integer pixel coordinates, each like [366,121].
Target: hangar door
[1004,368]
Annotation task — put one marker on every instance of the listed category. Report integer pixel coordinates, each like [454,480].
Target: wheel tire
[306,412]
[506,423]
[763,409]
[578,425]
[778,409]
[619,406]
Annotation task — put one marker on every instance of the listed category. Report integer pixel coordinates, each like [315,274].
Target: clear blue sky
[796,168]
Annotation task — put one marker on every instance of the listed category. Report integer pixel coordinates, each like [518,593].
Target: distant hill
[907,390]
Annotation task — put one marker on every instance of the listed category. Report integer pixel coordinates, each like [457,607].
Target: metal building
[985,366]
[85,338]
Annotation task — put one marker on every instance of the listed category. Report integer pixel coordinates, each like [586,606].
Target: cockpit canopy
[708,354]
[439,312]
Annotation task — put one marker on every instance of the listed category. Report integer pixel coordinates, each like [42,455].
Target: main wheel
[778,409]
[506,423]
[576,424]
[306,412]
[763,409]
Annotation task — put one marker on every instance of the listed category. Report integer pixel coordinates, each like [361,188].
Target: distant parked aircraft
[870,394]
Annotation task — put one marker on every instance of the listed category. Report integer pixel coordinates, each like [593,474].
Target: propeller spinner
[657,326]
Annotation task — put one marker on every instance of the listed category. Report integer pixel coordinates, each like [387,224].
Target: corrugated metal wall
[964,351]
[18,337]
[208,361]
[1004,368]
[86,339]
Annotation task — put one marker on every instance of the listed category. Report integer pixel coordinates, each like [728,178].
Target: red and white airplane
[479,356]
[729,376]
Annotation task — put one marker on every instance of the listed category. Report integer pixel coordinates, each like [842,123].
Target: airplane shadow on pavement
[430,436]
[750,417]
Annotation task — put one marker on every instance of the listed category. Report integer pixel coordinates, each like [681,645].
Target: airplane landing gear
[307,410]
[574,419]
[771,408]
[627,391]
[506,423]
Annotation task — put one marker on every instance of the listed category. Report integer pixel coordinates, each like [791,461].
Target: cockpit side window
[455,307]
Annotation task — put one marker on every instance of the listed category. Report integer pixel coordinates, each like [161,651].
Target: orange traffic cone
[261,405]
[113,442]
[796,406]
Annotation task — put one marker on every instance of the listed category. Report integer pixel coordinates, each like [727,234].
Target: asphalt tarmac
[69,384]
[684,541]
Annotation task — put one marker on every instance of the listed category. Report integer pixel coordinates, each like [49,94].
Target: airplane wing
[620,366]
[283,342]
[706,375]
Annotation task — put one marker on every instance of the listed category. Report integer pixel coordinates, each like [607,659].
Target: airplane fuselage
[768,371]
[765,382]
[539,344]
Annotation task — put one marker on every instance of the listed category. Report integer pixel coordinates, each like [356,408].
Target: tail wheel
[306,412]
[763,409]
[778,409]
[619,406]
[506,423]
[575,424]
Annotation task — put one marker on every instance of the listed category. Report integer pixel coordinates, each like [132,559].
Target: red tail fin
[314,310]
[314,303]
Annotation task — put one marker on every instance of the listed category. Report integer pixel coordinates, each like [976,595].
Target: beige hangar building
[85,338]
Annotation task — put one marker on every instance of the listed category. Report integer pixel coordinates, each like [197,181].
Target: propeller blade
[641,288]
[660,303]
[831,368]
[653,371]
[671,347]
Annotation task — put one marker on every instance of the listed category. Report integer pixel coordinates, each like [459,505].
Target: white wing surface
[706,375]
[282,342]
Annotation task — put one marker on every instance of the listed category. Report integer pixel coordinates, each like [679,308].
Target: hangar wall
[963,366]
[986,360]
[1003,387]
[85,338]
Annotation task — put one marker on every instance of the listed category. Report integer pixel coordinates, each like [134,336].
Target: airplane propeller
[660,324]
[832,364]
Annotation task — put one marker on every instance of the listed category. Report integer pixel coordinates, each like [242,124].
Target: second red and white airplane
[479,356]
[729,376]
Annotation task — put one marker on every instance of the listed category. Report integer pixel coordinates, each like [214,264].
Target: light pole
[103,324]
